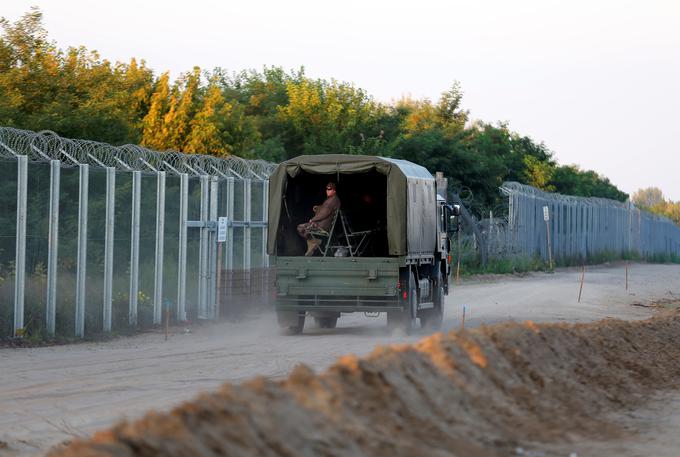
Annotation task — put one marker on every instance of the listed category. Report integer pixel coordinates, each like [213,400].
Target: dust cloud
[491,391]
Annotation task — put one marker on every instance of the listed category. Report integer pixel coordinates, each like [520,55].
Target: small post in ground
[626,275]
[583,274]
[166,308]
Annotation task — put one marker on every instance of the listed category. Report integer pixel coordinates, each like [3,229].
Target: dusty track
[48,395]
[483,392]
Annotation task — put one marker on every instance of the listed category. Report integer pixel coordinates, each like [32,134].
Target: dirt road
[51,394]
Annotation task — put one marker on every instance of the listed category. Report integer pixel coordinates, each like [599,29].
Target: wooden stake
[626,275]
[462,324]
[583,274]
[167,321]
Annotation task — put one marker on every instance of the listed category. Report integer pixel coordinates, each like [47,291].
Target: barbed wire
[46,145]
[510,187]
[463,193]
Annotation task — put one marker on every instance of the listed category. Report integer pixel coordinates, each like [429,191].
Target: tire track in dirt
[482,392]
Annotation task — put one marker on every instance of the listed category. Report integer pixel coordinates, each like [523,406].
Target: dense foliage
[653,200]
[270,114]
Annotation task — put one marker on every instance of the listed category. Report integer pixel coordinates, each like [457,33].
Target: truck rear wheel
[291,322]
[432,319]
[405,319]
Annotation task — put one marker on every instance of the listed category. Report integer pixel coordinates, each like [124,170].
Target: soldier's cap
[331,185]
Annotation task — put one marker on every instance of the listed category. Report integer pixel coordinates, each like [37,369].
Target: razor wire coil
[46,145]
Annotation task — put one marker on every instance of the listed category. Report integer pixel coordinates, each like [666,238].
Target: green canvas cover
[398,173]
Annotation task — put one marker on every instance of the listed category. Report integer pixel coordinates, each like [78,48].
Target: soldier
[322,220]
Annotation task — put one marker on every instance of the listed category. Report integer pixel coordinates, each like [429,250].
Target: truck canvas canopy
[399,192]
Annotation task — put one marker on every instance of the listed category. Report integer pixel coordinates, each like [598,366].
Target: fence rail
[96,238]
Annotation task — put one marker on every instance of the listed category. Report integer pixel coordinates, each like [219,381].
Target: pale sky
[597,81]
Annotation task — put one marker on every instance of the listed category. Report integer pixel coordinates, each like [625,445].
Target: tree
[185,98]
[193,117]
[167,124]
[652,199]
[538,173]
[451,115]
[648,197]
[571,180]
[205,135]
[74,93]
[153,134]
[322,117]
[672,211]
[257,97]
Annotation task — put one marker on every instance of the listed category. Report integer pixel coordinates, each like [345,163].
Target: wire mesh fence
[567,229]
[98,238]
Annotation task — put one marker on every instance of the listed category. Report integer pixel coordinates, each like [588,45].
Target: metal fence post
[160,242]
[229,245]
[630,228]
[81,269]
[554,228]
[229,261]
[182,266]
[203,250]
[212,243]
[247,231]
[20,259]
[53,248]
[108,250]
[134,246]
[265,227]
[265,219]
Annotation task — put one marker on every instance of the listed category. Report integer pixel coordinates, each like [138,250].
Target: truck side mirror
[453,212]
[453,224]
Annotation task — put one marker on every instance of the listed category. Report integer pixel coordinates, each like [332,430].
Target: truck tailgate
[337,276]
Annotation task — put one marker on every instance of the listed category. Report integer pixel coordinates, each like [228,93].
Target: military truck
[387,250]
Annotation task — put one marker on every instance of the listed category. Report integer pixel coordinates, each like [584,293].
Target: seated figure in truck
[322,220]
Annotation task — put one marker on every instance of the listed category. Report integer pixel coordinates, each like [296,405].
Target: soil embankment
[484,392]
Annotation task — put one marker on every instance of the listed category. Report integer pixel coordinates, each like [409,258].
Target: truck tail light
[404,295]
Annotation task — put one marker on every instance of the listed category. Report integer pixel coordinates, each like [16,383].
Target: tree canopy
[271,114]
[653,200]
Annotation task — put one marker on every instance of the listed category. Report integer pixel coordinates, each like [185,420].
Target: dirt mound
[475,393]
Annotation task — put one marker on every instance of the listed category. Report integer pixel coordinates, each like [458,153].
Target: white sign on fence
[546,216]
[221,229]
